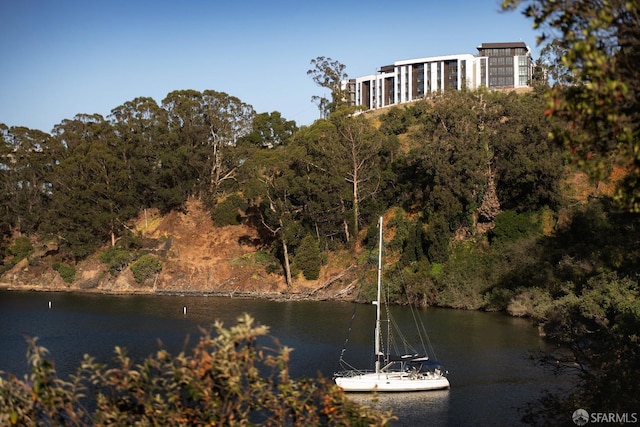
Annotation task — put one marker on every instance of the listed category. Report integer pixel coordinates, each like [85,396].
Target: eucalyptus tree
[270,130]
[6,219]
[329,74]
[188,137]
[273,212]
[341,169]
[228,120]
[207,127]
[323,192]
[27,159]
[527,165]
[92,196]
[147,155]
[356,156]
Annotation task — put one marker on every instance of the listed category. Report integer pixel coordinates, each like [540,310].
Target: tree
[328,74]
[141,128]
[268,194]
[596,321]
[528,166]
[6,219]
[356,156]
[270,130]
[228,119]
[187,140]
[599,325]
[319,185]
[208,125]
[308,258]
[341,169]
[446,171]
[92,196]
[28,157]
[601,110]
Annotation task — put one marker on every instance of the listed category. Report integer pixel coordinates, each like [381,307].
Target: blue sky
[61,58]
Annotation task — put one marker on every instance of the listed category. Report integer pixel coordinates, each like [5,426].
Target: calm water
[485,353]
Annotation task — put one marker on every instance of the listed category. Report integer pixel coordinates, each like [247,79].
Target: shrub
[145,267]
[463,279]
[511,226]
[21,248]
[308,258]
[227,211]
[269,261]
[228,378]
[67,272]
[116,259]
[532,302]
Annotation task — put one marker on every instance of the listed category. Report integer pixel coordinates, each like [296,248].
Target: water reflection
[414,409]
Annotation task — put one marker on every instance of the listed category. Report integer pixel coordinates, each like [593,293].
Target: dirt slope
[197,257]
[204,258]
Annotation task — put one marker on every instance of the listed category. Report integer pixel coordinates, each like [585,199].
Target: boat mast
[377,331]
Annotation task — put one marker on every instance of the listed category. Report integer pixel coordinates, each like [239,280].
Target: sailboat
[402,372]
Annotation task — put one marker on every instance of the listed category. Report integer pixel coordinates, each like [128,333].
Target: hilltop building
[496,66]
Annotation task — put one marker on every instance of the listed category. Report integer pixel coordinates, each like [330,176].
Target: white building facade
[497,66]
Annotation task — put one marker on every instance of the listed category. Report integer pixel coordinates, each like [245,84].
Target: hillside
[197,257]
[201,258]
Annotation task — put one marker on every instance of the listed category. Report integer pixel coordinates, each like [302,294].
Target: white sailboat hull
[392,381]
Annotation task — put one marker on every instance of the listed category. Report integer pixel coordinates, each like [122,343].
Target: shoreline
[270,296]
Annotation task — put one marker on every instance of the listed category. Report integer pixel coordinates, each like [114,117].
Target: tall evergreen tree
[27,161]
[92,196]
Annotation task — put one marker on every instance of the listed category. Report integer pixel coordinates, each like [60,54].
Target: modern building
[496,66]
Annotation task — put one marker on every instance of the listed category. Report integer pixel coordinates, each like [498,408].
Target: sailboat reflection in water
[411,371]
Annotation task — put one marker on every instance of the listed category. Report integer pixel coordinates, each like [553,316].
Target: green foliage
[228,211]
[269,261]
[270,130]
[438,236]
[412,283]
[511,226]
[396,121]
[66,271]
[530,302]
[21,248]
[42,398]
[414,246]
[600,44]
[328,74]
[116,259]
[145,267]
[599,326]
[463,280]
[308,258]
[27,158]
[228,378]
